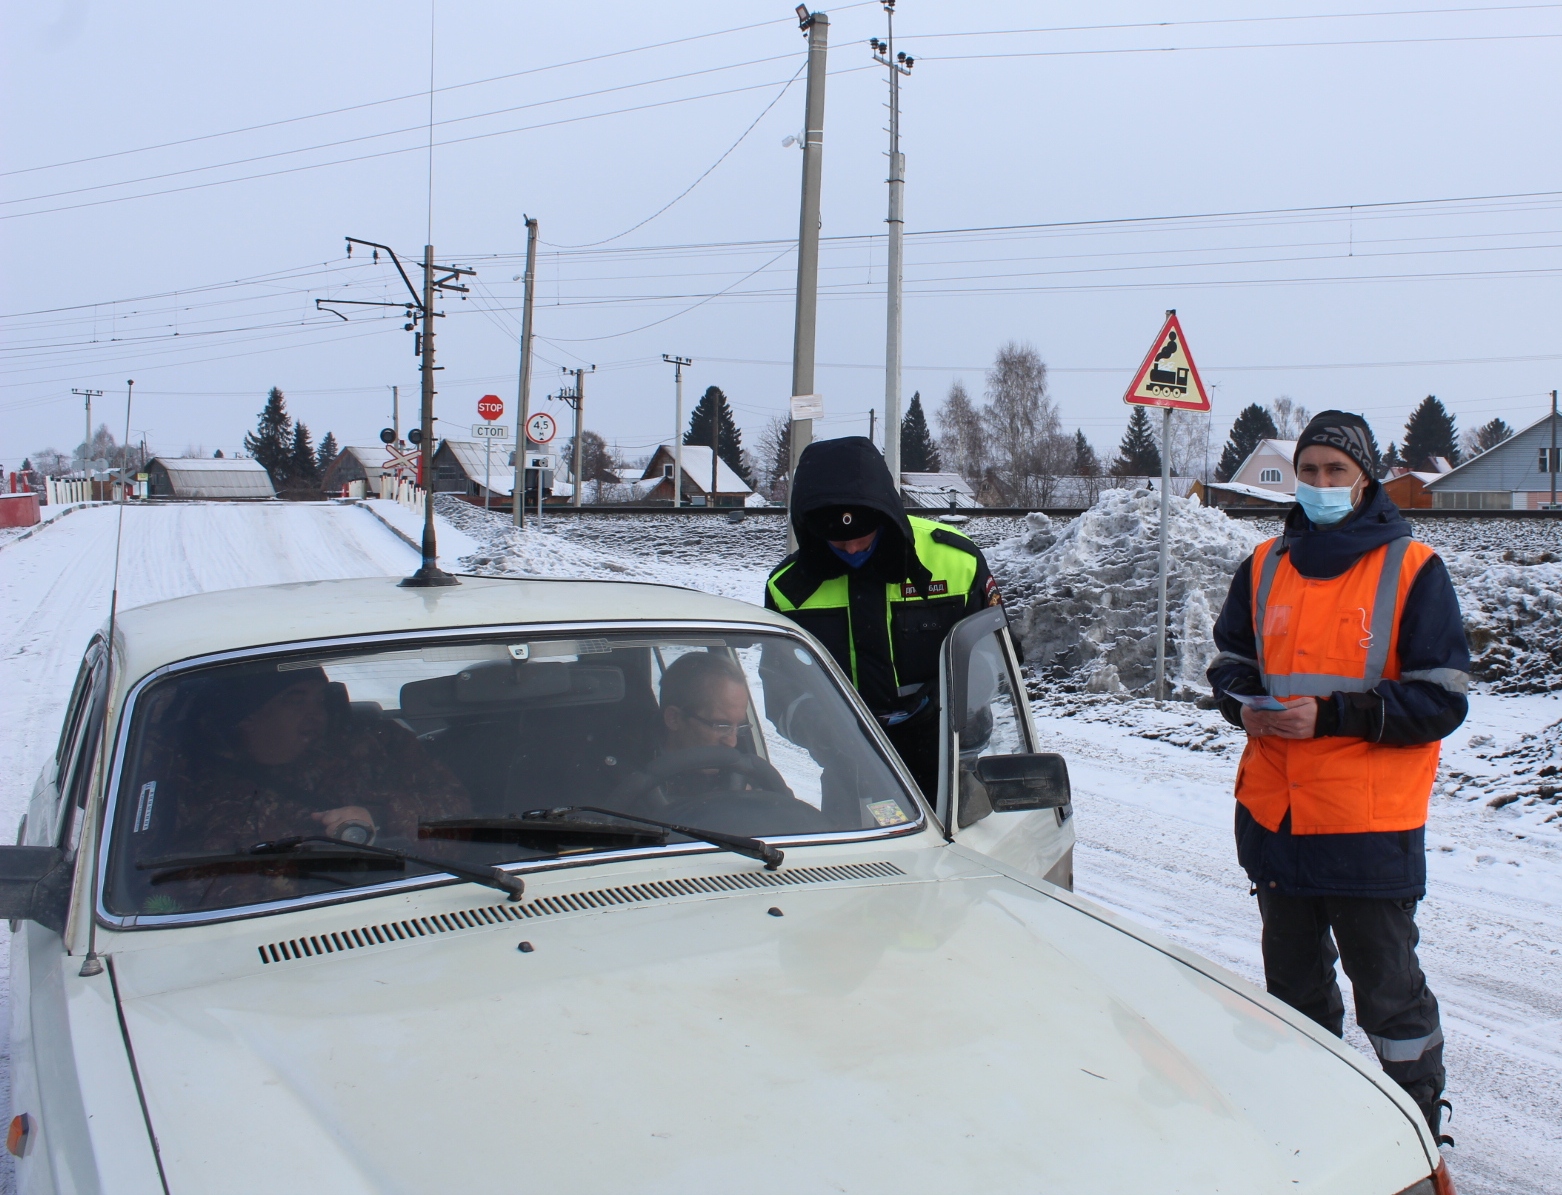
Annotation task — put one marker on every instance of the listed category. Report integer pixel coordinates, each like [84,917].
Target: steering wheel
[726,805]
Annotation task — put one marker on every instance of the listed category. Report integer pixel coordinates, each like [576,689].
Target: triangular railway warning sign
[1167,377]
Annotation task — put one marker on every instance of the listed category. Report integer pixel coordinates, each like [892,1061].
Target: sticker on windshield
[144,801]
[887,813]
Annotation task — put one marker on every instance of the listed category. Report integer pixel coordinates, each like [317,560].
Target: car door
[984,714]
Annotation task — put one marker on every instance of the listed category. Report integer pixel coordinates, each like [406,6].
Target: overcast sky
[1313,192]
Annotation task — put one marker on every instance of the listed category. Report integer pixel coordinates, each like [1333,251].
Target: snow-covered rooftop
[476,463]
[216,477]
[696,469]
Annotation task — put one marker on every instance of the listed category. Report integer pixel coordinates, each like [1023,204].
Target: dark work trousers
[1377,944]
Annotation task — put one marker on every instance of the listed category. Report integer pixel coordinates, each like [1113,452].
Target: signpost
[490,407]
[1167,378]
[540,429]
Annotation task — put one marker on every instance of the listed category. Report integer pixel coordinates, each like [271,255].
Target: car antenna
[92,964]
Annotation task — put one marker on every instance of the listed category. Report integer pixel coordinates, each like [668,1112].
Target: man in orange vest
[1342,654]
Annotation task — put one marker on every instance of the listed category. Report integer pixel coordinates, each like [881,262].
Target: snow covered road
[1152,786]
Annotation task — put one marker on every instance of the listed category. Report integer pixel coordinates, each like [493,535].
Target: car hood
[934,1025]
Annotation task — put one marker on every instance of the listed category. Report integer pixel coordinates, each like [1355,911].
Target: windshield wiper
[753,848]
[292,850]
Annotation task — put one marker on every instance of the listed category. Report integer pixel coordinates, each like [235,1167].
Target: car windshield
[438,749]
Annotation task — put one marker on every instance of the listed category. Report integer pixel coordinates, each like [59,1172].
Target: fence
[64,493]
[394,489]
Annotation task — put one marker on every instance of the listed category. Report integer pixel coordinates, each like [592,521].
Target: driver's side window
[995,722]
[78,757]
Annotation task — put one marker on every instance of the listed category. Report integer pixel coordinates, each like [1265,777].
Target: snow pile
[1527,775]
[704,552]
[1512,604]
[1082,597]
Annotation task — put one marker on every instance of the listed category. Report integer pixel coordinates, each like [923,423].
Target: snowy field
[1152,783]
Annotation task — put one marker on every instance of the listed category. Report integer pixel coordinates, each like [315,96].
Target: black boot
[1429,1098]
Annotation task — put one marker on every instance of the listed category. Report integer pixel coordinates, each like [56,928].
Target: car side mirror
[35,883]
[1020,782]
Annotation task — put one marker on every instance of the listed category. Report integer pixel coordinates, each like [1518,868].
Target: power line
[1308,45]
[415,95]
[407,149]
[725,154]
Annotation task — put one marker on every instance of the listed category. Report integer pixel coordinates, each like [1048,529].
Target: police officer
[879,589]
[1354,628]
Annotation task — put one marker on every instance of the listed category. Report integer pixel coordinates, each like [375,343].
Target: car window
[994,723]
[73,710]
[439,749]
[78,766]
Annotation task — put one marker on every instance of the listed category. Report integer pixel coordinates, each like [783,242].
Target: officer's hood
[1322,552]
[850,472]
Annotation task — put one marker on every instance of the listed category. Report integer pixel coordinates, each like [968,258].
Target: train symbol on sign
[1167,381]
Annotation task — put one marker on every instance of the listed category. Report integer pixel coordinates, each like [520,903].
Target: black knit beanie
[1344,431]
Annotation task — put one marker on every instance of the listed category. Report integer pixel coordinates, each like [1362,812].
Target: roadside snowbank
[1082,596]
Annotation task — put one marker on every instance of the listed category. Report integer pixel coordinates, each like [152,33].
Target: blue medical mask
[1326,505]
[856,559]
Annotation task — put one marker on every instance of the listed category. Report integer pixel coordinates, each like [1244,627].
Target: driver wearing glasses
[704,702]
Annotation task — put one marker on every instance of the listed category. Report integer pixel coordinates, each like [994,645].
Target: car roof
[226,620]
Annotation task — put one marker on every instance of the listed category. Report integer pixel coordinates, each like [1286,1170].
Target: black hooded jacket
[889,648]
[1431,640]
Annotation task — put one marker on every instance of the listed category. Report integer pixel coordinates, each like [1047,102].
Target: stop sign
[490,407]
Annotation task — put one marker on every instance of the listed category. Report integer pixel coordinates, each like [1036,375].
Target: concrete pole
[1160,620]
[523,398]
[897,227]
[429,573]
[580,425]
[1552,460]
[817,26]
[396,415]
[678,435]
[715,461]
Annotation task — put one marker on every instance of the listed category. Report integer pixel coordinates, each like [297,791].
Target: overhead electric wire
[1309,45]
[416,95]
[764,112]
[415,148]
[421,127]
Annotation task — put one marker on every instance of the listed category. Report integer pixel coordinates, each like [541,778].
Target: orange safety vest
[1314,638]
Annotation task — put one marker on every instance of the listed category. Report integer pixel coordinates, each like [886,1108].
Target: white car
[605,887]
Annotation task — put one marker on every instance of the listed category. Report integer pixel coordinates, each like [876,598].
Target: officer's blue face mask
[857,559]
[1326,505]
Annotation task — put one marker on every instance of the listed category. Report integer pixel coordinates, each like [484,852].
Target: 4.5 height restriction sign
[1167,377]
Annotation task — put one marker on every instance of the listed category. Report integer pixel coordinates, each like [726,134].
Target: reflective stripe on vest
[1314,637]
[1379,630]
[952,569]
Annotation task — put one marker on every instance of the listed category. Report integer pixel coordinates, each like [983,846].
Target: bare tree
[962,440]
[1027,446]
[1290,417]
[51,462]
[1189,443]
[774,461]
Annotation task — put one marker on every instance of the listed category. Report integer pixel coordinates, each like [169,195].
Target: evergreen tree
[1086,463]
[1430,432]
[301,468]
[271,443]
[1138,455]
[1391,459]
[217,456]
[1489,435]
[326,453]
[1252,425]
[729,447]
[918,452]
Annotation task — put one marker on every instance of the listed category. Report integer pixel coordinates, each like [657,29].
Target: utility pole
[872,415]
[396,413]
[898,64]
[523,399]
[420,309]
[86,444]
[715,444]
[577,400]
[1552,460]
[678,363]
[816,26]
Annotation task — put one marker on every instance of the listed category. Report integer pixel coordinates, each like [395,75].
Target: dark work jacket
[888,647]
[1431,637]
